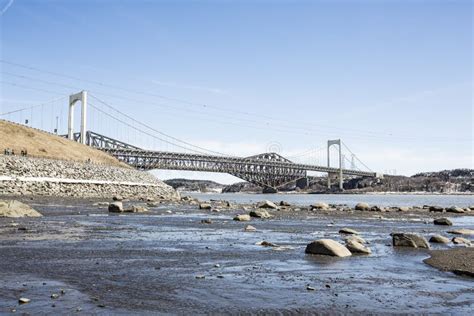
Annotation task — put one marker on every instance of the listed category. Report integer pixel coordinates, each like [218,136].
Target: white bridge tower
[81,96]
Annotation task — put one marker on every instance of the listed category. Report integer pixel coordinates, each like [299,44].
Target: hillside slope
[45,145]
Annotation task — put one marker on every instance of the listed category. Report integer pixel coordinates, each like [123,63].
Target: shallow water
[349,199]
[148,263]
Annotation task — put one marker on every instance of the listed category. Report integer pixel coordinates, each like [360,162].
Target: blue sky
[393,79]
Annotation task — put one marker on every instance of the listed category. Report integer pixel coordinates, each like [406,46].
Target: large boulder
[260,213]
[327,247]
[319,206]
[137,209]
[439,239]
[409,240]
[356,247]
[16,209]
[362,206]
[455,209]
[242,218]
[462,231]
[267,204]
[442,221]
[116,207]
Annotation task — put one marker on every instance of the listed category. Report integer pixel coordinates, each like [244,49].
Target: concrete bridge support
[338,143]
[81,96]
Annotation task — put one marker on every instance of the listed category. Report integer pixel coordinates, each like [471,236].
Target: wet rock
[265,243]
[409,240]
[403,209]
[15,209]
[327,247]
[205,206]
[260,213]
[436,209]
[242,218]
[462,231]
[319,206]
[24,300]
[267,204]
[348,231]
[250,228]
[455,209]
[439,239]
[356,247]
[283,203]
[377,208]
[200,276]
[460,240]
[362,206]
[116,207]
[356,238]
[137,209]
[117,198]
[54,296]
[310,288]
[442,221]
[206,221]
[471,207]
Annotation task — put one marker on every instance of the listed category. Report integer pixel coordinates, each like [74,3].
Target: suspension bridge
[270,169]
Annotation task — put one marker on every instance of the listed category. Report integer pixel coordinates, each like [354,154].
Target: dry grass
[45,145]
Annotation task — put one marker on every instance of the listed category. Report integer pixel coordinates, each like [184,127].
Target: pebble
[24,300]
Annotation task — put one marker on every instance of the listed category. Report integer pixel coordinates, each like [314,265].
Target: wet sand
[459,261]
[167,261]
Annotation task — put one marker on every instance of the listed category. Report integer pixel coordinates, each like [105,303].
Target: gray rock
[15,209]
[439,239]
[260,213]
[356,238]
[205,206]
[117,198]
[460,240]
[455,209]
[242,218]
[283,203]
[362,206]
[319,206]
[462,231]
[267,204]
[357,247]
[250,228]
[377,208]
[24,300]
[327,247]
[348,231]
[436,209]
[403,209]
[409,240]
[116,207]
[442,221]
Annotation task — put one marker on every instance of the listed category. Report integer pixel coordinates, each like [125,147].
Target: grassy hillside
[45,145]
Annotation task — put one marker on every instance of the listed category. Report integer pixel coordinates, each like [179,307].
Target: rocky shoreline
[39,176]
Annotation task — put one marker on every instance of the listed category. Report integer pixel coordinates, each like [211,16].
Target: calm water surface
[349,199]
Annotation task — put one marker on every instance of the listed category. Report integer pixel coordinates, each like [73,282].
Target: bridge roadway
[268,170]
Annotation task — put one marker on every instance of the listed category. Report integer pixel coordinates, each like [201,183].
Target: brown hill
[45,145]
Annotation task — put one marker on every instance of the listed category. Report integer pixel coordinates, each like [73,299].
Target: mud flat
[459,261]
[177,258]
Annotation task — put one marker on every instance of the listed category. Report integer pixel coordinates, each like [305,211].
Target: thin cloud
[6,7]
[190,87]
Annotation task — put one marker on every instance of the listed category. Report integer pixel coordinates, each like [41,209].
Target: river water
[349,199]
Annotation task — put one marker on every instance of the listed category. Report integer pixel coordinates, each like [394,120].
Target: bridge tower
[338,143]
[81,96]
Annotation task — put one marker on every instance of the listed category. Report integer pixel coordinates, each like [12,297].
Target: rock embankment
[38,176]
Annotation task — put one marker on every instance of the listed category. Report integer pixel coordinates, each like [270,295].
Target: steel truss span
[267,170]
